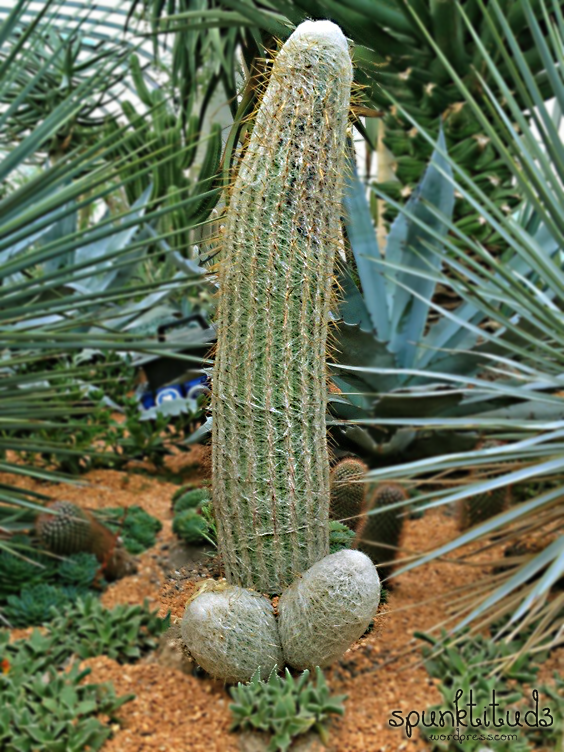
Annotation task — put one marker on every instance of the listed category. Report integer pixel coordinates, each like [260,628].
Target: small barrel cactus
[480,507]
[282,233]
[73,529]
[347,491]
[379,535]
[66,532]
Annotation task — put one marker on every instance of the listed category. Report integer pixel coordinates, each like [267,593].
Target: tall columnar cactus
[282,231]
[347,492]
[379,535]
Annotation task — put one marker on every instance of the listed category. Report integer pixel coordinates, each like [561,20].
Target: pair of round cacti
[270,461]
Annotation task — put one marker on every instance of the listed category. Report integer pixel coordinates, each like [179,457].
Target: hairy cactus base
[231,632]
[327,609]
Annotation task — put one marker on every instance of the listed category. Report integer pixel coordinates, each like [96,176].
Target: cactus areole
[282,231]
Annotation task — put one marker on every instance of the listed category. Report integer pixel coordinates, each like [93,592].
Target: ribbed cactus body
[347,493]
[74,529]
[282,230]
[65,533]
[480,507]
[379,535]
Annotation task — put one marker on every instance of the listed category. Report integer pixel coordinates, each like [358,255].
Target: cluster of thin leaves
[72,248]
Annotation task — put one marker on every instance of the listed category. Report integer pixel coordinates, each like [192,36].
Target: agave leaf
[408,245]
[360,231]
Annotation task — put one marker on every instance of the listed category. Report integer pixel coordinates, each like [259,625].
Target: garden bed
[178,708]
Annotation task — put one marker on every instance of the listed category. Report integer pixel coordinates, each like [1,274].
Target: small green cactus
[340,537]
[347,492]
[66,532]
[73,529]
[480,507]
[379,535]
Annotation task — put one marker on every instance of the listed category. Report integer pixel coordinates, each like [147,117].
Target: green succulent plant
[340,536]
[30,586]
[190,526]
[56,711]
[124,633]
[285,707]
[80,570]
[136,527]
[190,499]
[475,663]
[36,600]
[49,706]
[36,604]
[22,566]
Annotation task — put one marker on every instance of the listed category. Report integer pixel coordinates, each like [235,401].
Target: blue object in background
[168,393]
[147,400]
[193,384]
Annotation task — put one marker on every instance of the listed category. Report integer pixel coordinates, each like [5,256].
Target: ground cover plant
[475,663]
[46,702]
[134,525]
[33,583]
[286,707]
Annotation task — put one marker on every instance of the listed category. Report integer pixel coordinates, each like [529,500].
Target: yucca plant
[69,255]
[396,349]
[522,394]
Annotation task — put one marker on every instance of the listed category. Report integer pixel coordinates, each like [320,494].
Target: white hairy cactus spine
[282,232]
[327,609]
[231,631]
